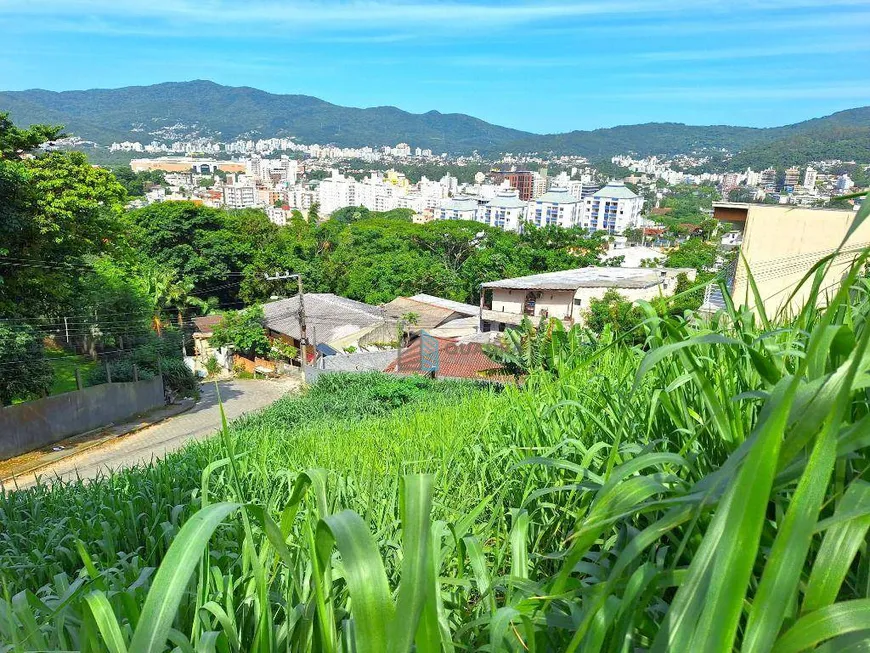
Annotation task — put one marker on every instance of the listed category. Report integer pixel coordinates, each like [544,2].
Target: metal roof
[589,277]
[458,307]
[428,314]
[616,190]
[557,196]
[329,316]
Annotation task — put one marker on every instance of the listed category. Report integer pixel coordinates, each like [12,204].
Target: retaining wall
[35,424]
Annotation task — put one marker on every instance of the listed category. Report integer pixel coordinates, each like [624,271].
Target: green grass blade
[839,546]
[367,584]
[172,577]
[827,623]
[106,622]
[414,588]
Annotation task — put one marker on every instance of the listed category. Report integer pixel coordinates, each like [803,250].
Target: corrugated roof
[588,277]
[429,315]
[557,196]
[459,307]
[616,190]
[332,317]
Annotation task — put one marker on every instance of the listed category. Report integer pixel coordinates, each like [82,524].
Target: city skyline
[547,67]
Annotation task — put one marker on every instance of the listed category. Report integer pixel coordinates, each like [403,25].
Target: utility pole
[302,331]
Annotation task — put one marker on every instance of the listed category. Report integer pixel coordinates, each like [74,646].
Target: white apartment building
[457,208]
[614,208]
[336,192]
[505,211]
[240,197]
[810,177]
[555,207]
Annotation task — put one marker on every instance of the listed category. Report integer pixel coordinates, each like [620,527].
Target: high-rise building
[240,197]
[555,207]
[810,178]
[768,178]
[792,177]
[522,181]
[614,208]
[505,211]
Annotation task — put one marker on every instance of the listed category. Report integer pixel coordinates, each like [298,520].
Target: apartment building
[505,211]
[556,207]
[614,208]
[241,197]
[457,208]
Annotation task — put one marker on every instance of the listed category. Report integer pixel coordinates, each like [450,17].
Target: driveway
[238,396]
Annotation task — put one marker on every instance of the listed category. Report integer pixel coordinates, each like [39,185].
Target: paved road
[239,397]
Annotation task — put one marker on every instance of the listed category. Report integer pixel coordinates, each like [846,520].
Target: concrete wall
[781,244]
[34,424]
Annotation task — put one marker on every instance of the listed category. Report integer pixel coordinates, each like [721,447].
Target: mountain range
[202,108]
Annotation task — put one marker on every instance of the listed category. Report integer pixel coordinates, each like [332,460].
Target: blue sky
[546,66]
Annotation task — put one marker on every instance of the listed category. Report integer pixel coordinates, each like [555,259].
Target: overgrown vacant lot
[704,491]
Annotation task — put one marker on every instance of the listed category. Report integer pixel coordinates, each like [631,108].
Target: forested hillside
[202,108]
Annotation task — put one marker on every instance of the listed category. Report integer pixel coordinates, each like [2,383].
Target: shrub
[212,366]
[179,379]
[122,371]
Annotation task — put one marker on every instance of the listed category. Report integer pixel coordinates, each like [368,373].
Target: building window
[578,302]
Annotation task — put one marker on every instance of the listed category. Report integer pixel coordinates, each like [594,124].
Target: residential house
[564,295]
[435,315]
[336,321]
[447,359]
[779,245]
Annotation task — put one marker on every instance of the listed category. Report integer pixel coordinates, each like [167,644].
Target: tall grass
[707,491]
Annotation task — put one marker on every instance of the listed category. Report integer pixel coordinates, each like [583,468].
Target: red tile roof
[456,360]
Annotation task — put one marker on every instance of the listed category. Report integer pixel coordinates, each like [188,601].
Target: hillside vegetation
[202,108]
[705,490]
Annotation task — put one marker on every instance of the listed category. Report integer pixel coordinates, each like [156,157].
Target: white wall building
[240,197]
[505,211]
[614,208]
[810,177]
[458,208]
[555,207]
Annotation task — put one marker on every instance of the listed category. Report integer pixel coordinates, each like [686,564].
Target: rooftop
[510,200]
[327,316]
[428,314]
[616,190]
[557,196]
[589,277]
[459,204]
[458,307]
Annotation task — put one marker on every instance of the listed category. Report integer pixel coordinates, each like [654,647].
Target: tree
[633,235]
[15,141]
[314,212]
[615,312]
[694,253]
[243,330]
[24,372]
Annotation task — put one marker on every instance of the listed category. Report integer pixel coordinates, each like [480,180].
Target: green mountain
[145,113]
[201,108]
